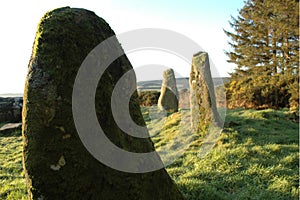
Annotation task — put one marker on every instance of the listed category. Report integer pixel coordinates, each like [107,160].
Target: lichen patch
[66,136]
[55,167]
[62,161]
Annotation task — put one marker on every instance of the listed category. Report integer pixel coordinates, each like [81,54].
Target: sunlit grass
[12,180]
[256,157]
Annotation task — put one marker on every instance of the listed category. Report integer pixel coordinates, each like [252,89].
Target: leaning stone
[57,165]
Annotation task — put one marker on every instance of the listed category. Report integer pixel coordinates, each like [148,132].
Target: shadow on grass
[264,126]
[257,157]
[11,133]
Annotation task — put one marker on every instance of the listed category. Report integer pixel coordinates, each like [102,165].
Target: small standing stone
[168,98]
[184,99]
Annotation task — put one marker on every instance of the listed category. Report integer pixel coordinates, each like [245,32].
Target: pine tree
[265,48]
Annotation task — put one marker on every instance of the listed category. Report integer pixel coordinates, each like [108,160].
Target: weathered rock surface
[202,94]
[11,109]
[168,98]
[57,165]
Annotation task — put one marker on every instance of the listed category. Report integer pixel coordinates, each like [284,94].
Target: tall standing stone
[57,165]
[202,95]
[168,98]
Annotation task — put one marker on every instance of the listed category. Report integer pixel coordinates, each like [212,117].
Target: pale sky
[200,20]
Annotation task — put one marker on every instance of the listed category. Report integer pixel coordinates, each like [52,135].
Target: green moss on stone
[57,165]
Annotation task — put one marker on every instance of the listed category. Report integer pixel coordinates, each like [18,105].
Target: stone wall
[11,109]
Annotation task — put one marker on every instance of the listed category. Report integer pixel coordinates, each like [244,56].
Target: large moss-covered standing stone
[168,98]
[57,165]
[202,95]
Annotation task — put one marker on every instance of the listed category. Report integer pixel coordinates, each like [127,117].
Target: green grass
[12,182]
[256,157]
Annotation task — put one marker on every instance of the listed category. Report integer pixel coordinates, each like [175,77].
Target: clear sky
[201,20]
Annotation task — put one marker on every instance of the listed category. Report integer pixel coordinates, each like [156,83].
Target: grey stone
[202,94]
[168,98]
[184,99]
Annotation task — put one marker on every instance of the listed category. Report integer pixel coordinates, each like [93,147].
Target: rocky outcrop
[202,94]
[11,109]
[57,165]
[168,98]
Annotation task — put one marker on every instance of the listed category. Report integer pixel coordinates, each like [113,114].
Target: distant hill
[182,83]
[11,95]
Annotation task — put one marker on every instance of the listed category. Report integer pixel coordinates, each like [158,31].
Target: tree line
[264,45]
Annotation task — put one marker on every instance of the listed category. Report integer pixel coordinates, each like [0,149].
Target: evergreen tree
[265,48]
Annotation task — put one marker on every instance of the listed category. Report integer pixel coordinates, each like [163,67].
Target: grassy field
[256,157]
[12,182]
